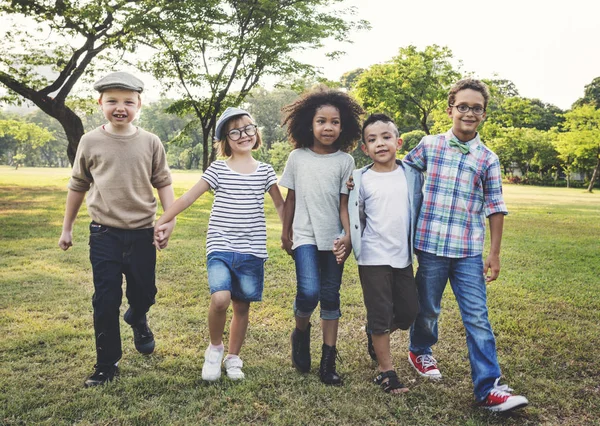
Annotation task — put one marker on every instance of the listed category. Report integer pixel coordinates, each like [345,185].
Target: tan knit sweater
[120,172]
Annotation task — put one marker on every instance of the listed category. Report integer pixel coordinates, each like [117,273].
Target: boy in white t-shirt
[384,207]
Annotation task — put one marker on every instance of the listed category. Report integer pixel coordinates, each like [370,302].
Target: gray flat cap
[230,112]
[119,80]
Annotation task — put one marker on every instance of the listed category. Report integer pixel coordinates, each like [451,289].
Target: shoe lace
[426,361]
[331,357]
[500,390]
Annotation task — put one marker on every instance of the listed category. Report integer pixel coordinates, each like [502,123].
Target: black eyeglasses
[235,134]
[462,108]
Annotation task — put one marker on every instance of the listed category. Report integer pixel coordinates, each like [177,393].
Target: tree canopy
[42,63]
[214,53]
[410,86]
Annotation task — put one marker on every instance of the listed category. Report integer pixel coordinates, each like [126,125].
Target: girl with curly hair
[323,126]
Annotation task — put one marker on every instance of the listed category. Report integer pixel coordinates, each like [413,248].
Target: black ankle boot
[301,349]
[327,370]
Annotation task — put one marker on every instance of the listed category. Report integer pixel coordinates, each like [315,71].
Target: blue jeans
[319,278]
[243,275]
[469,287]
[114,253]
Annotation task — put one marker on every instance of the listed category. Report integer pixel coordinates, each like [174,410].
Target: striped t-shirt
[237,219]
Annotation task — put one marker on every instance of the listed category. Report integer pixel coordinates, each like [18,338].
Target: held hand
[286,244]
[341,249]
[66,240]
[162,232]
[350,183]
[491,265]
[159,235]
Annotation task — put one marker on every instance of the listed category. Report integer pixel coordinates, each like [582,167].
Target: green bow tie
[463,147]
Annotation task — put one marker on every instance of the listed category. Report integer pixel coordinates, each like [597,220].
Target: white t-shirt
[318,180]
[385,239]
[237,219]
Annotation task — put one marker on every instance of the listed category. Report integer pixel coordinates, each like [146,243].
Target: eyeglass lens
[477,110]
[235,134]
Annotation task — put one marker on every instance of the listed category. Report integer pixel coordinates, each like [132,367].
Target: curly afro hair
[300,114]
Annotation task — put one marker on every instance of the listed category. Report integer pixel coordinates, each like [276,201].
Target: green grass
[545,310]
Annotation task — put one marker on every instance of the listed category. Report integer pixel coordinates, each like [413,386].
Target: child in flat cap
[119,164]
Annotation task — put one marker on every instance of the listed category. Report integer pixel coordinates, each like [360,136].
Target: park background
[198,57]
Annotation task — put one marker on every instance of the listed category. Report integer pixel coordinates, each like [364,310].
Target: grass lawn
[545,311]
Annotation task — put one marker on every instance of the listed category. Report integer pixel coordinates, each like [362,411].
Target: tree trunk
[73,127]
[205,138]
[594,175]
[424,124]
[57,109]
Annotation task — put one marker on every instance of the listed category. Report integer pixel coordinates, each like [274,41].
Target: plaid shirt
[460,191]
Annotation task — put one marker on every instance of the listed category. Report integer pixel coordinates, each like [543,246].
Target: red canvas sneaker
[426,365]
[500,399]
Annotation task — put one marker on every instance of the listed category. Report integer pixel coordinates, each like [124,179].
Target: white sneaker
[211,370]
[233,366]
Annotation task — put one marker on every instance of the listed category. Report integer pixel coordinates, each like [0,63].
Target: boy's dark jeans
[113,253]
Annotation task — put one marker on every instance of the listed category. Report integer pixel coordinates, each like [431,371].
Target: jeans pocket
[97,230]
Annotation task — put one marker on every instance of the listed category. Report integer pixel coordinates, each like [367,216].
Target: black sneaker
[142,335]
[301,349]
[143,338]
[102,375]
[327,371]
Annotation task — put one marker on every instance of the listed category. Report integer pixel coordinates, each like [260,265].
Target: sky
[549,49]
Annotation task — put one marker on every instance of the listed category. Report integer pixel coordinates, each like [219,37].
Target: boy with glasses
[463,185]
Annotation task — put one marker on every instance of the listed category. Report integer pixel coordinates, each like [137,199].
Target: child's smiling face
[381,142]
[326,126]
[464,124]
[120,106]
[243,142]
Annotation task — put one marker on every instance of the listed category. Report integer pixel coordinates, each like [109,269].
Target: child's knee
[219,301]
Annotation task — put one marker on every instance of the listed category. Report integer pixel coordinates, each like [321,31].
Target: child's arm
[343,245]
[492,262]
[177,207]
[167,198]
[288,218]
[277,198]
[74,200]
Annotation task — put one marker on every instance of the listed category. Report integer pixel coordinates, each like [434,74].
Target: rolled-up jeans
[469,287]
[113,253]
[319,278]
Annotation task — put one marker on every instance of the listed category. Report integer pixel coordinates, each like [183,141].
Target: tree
[349,78]
[516,111]
[53,153]
[182,142]
[265,106]
[528,149]
[411,140]
[500,90]
[28,57]
[410,86]
[591,95]
[579,146]
[213,53]
[19,137]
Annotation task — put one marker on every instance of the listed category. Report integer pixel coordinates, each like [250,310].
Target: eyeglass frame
[243,129]
[469,108]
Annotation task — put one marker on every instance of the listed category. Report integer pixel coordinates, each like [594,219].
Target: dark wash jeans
[113,253]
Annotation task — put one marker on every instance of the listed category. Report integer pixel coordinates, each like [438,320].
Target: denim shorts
[241,274]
